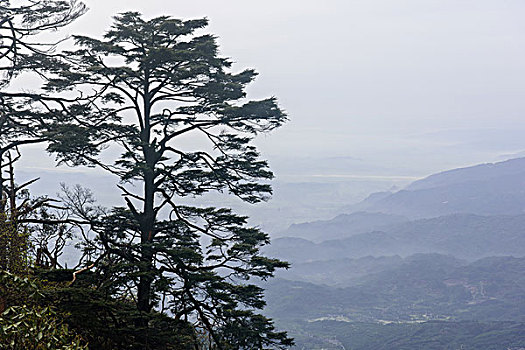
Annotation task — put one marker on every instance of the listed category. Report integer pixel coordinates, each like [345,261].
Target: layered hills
[446,252]
[465,236]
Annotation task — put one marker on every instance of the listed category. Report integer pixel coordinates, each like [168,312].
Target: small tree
[14,238]
[158,83]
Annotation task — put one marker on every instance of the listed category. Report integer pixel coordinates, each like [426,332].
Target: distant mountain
[343,226]
[298,250]
[465,236]
[486,189]
[480,172]
[423,287]
[339,272]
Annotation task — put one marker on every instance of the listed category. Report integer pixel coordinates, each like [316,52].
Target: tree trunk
[148,218]
[147,232]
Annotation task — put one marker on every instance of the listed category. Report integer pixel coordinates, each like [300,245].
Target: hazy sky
[392,87]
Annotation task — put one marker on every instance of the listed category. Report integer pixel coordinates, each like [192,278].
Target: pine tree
[158,84]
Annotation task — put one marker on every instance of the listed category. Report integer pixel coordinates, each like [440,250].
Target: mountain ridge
[485,189]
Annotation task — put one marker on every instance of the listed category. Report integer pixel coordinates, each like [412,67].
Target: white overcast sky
[398,87]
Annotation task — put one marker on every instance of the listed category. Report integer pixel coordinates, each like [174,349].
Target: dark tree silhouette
[164,97]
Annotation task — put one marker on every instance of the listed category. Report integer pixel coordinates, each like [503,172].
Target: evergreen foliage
[107,322]
[14,246]
[26,324]
[23,327]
